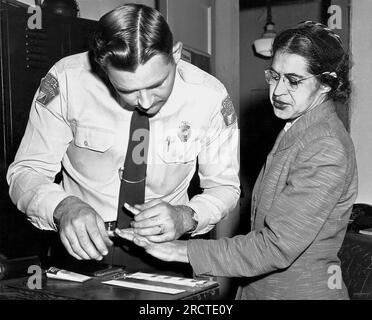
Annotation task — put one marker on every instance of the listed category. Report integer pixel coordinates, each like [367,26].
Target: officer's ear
[177,51]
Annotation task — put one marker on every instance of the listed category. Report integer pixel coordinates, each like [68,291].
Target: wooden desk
[94,290]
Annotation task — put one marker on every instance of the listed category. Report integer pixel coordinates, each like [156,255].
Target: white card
[141,286]
[166,279]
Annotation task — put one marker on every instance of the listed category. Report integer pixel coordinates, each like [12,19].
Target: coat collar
[316,115]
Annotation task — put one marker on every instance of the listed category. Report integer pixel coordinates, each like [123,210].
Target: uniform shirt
[76,122]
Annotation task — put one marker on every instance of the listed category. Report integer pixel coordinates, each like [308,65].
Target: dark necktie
[132,191]
[133,174]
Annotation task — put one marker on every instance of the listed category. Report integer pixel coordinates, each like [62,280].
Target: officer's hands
[81,229]
[167,251]
[159,221]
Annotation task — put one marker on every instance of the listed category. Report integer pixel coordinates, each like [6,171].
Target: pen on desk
[61,274]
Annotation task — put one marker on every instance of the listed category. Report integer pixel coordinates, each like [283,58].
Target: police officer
[79,122]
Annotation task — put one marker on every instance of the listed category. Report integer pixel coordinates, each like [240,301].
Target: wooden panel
[248,4]
[190,21]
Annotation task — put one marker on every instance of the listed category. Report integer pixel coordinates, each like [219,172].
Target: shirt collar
[289,124]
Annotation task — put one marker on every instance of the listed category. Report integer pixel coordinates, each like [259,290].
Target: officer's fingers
[162,211]
[97,239]
[103,231]
[151,231]
[132,209]
[75,245]
[159,221]
[148,204]
[155,211]
[67,245]
[161,238]
[146,223]
[86,243]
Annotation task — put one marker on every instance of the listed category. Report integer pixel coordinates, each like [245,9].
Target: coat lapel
[308,119]
[287,138]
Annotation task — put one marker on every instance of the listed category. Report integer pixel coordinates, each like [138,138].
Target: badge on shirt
[48,90]
[228,111]
[184,131]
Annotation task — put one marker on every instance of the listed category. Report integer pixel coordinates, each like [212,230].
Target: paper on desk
[142,286]
[189,282]
[366,231]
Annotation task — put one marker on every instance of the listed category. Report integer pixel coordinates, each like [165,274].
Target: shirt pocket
[94,138]
[173,150]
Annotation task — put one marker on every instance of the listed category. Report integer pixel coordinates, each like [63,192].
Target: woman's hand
[167,251]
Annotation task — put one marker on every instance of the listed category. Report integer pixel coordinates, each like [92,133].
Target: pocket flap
[96,139]
[176,151]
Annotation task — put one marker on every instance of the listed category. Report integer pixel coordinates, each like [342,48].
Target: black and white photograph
[180,156]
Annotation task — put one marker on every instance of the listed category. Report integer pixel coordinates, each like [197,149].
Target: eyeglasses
[291,83]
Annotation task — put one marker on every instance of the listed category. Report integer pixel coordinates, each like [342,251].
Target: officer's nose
[145,99]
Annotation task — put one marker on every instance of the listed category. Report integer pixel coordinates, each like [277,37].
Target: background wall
[94,9]
[27,1]
[252,22]
[361,116]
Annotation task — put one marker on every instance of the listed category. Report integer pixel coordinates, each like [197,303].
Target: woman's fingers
[129,235]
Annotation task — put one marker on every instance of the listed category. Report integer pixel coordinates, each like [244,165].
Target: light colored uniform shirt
[76,122]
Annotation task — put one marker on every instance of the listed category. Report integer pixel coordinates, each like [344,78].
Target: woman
[304,194]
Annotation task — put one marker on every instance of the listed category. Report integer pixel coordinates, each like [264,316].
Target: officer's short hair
[131,35]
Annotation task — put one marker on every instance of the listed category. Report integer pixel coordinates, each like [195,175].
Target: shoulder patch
[228,112]
[49,89]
